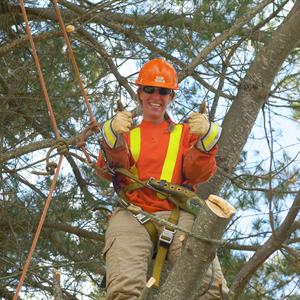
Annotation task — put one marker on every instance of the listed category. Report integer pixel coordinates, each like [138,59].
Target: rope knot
[62,147]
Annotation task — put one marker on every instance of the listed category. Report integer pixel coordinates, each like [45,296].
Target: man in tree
[173,154]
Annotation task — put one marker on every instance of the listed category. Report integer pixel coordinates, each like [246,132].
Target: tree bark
[214,218]
[57,292]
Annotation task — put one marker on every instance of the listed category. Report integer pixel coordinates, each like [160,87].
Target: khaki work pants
[128,253]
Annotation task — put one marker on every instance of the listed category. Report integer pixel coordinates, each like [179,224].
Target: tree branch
[221,38]
[265,251]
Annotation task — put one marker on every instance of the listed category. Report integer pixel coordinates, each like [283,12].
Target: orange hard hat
[158,72]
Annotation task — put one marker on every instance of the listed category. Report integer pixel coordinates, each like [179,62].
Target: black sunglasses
[161,91]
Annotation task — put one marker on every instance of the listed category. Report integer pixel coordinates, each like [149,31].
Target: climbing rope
[73,60]
[60,145]
[93,126]
[52,168]
[39,229]
[41,77]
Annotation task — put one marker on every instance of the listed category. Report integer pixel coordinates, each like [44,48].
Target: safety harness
[181,197]
[162,242]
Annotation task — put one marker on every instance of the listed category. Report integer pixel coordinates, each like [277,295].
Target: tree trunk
[213,219]
[252,94]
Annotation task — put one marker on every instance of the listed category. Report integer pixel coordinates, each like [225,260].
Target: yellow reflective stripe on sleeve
[108,134]
[210,138]
[135,147]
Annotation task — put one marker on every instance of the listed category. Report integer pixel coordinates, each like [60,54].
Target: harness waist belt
[178,195]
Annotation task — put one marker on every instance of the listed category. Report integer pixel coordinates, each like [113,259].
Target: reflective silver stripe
[207,142]
[108,134]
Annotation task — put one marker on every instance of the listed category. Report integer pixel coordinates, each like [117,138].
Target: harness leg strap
[165,241]
[141,218]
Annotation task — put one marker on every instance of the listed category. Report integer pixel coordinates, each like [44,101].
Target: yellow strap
[171,157]
[158,264]
[135,147]
[151,229]
[162,251]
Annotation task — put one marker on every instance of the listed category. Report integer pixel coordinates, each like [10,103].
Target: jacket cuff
[207,142]
[109,136]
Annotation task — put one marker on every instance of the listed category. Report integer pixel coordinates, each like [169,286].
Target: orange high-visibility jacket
[152,151]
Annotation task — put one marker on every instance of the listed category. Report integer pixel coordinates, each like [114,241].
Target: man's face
[155,101]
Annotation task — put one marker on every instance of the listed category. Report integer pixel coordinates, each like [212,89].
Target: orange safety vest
[157,153]
[171,155]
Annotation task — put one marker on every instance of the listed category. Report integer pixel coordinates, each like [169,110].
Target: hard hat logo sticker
[159,79]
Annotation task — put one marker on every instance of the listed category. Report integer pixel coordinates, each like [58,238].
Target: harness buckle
[123,202]
[167,236]
[148,183]
[142,218]
[110,170]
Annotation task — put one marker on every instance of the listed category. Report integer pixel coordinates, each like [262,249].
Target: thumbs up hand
[122,122]
[198,123]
